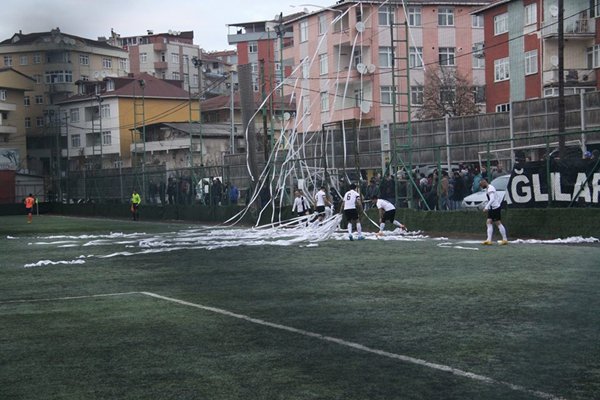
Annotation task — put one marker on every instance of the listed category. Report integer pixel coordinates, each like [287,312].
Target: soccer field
[109,309]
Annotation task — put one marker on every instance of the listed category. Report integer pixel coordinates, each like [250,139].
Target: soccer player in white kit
[387,212]
[322,202]
[351,206]
[493,208]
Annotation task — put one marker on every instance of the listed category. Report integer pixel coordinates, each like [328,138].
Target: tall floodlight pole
[143,86]
[232,114]
[198,64]
[280,31]
[99,99]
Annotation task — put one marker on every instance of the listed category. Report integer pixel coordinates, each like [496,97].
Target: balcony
[578,77]
[574,28]
[158,65]
[8,130]
[160,46]
[4,106]
[351,113]
[159,146]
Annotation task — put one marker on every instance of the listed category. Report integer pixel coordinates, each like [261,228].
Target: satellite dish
[360,26]
[365,106]
[361,68]
[371,68]
[96,75]
[554,10]
[554,61]
[104,74]
[286,116]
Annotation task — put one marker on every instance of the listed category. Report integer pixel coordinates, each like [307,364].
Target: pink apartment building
[342,57]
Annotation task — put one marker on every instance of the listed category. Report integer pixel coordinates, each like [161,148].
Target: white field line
[91,296]
[341,342]
[357,346]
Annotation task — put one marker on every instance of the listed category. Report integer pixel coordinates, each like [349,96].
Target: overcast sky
[93,18]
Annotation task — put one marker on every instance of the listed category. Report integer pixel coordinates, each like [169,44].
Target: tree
[446,92]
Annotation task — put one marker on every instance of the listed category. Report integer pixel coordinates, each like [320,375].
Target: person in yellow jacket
[135,204]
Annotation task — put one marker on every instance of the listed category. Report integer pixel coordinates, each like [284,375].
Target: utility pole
[561,81]
[198,64]
[232,114]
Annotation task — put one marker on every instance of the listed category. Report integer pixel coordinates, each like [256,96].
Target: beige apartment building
[13,150]
[55,60]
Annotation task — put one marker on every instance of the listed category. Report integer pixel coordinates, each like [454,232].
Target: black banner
[570,183]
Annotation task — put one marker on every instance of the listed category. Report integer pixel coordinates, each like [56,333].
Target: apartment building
[173,55]
[344,57]
[55,60]
[521,49]
[259,43]
[13,120]
[106,119]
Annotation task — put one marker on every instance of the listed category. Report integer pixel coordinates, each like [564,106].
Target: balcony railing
[573,27]
[571,76]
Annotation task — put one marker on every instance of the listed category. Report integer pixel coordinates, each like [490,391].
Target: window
[385,57]
[324,101]
[477,21]
[305,69]
[478,56]
[306,104]
[85,77]
[503,107]
[531,62]
[386,15]
[3,94]
[500,24]
[106,63]
[84,59]
[27,122]
[23,60]
[58,76]
[415,57]
[593,56]
[479,94]
[75,141]
[357,57]
[501,70]
[303,31]
[387,95]
[414,16]
[175,76]
[37,58]
[252,47]
[8,61]
[175,58]
[39,99]
[323,67]
[144,58]
[530,14]
[105,110]
[74,116]
[39,122]
[445,16]
[123,64]
[447,94]
[322,24]
[106,138]
[416,95]
[110,85]
[358,97]
[446,56]
[26,101]
[38,79]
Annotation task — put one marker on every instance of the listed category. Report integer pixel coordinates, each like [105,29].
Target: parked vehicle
[478,200]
